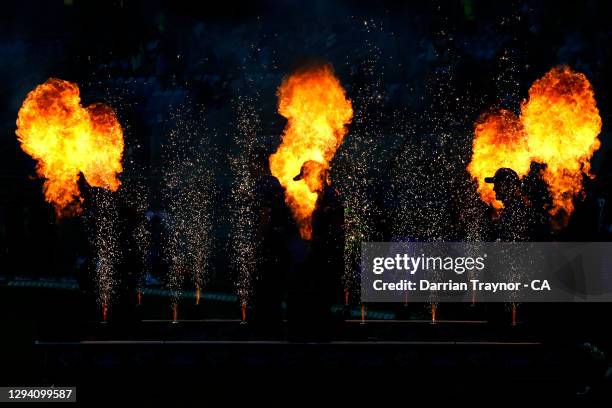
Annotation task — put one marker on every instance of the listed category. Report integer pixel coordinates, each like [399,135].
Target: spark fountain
[134,195]
[101,223]
[356,164]
[243,204]
[188,192]
[424,190]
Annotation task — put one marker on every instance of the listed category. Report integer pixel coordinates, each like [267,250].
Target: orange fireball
[67,139]
[558,126]
[563,124]
[499,141]
[317,111]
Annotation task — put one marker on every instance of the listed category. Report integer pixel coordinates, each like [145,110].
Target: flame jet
[499,141]
[66,139]
[558,126]
[317,111]
[563,123]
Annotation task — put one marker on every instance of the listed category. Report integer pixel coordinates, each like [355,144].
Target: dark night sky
[450,59]
[211,50]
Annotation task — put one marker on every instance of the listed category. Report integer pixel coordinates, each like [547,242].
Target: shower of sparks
[101,222]
[358,161]
[427,169]
[244,246]
[475,219]
[429,192]
[188,192]
[135,191]
[136,195]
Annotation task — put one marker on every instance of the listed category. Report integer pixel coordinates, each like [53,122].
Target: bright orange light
[67,139]
[317,112]
[558,126]
[499,141]
[563,122]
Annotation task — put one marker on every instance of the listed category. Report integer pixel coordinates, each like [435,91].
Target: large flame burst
[499,141]
[563,122]
[558,126]
[67,139]
[317,110]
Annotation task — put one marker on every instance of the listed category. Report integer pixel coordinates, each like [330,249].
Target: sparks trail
[135,193]
[558,126]
[66,139]
[102,232]
[357,168]
[188,192]
[317,111]
[244,217]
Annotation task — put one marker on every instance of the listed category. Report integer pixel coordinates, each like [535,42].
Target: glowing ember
[499,141]
[174,313]
[317,111]
[563,122]
[67,139]
[434,311]
[243,312]
[197,296]
[558,126]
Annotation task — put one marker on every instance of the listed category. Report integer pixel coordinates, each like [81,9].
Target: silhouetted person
[274,226]
[319,279]
[536,193]
[328,239]
[513,223]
